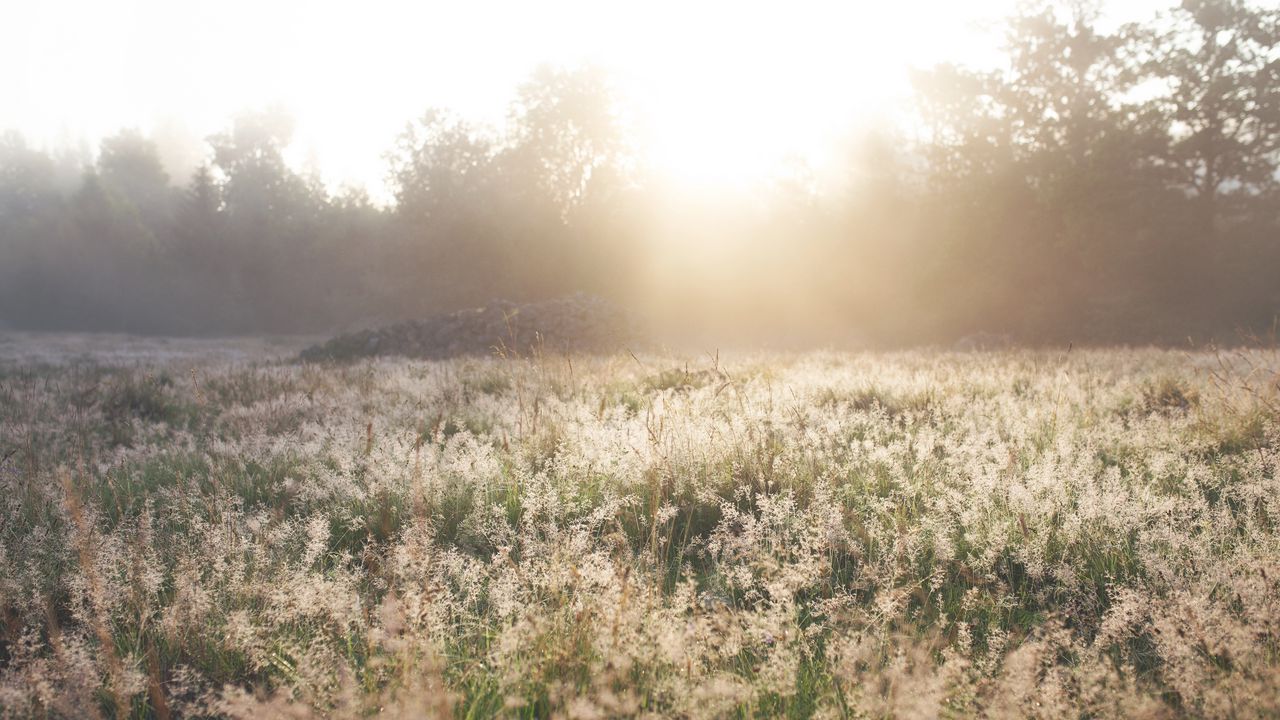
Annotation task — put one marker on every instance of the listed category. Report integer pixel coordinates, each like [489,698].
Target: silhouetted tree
[272,213]
[1220,67]
[568,175]
[567,135]
[449,213]
[130,167]
[27,179]
[32,227]
[1097,186]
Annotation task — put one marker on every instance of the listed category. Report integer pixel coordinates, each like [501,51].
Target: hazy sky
[724,90]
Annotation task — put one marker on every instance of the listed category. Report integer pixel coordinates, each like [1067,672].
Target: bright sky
[725,91]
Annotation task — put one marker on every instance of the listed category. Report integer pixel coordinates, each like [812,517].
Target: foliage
[1097,186]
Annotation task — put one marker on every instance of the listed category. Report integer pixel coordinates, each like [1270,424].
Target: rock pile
[577,323]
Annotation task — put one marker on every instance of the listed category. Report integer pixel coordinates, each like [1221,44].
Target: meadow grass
[920,534]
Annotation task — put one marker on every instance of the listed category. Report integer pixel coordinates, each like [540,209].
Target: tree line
[1101,186]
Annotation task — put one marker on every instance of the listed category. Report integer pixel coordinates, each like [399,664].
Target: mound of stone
[577,323]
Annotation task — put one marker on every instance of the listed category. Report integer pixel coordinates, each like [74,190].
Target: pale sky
[723,91]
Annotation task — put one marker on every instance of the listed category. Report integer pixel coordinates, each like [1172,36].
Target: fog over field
[1074,173]
[565,359]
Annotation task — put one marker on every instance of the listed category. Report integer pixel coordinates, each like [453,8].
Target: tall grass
[1014,534]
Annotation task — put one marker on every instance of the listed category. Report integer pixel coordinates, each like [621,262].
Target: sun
[726,92]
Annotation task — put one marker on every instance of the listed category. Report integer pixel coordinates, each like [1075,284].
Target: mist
[1100,185]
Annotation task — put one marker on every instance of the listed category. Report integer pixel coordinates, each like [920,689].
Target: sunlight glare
[721,92]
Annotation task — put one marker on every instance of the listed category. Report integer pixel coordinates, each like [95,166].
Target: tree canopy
[1101,185]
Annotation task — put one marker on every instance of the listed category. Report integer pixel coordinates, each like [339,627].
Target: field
[188,532]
